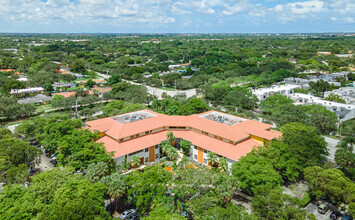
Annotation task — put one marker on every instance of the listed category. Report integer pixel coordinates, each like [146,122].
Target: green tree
[89,84]
[79,149]
[223,164]
[171,138]
[212,159]
[273,102]
[254,172]
[55,194]
[96,171]
[307,146]
[114,78]
[147,188]
[185,146]
[321,118]
[172,153]
[135,162]
[115,186]
[335,98]
[162,212]
[78,67]
[48,88]
[331,183]
[274,204]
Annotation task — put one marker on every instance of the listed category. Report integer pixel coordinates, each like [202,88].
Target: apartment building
[140,133]
[343,111]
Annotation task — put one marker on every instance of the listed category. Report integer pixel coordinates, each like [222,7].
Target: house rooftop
[133,116]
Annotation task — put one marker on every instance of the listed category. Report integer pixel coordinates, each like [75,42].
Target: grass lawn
[75,88]
[43,107]
[166,88]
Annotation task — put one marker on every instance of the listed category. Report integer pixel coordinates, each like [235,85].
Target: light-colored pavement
[313,208]
[44,165]
[332,143]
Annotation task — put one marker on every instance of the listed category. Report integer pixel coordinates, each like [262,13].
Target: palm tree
[172,153]
[223,165]
[171,138]
[164,146]
[135,162]
[212,159]
[115,186]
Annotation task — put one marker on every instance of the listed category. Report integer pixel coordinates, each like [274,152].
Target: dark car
[335,215]
[347,217]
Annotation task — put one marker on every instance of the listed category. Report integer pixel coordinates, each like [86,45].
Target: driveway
[45,164]
[332,143]
[313,208]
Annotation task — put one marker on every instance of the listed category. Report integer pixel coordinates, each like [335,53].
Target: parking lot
[313,208]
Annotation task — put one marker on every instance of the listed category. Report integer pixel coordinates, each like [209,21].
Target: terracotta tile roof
[102,90]
[69,94]
[235,132]
[225,149]
[239,133]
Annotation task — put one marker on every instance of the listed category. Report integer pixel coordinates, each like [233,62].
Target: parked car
[32,171]
[335,215]
[133,217]
[128,213]
[347,217]
[322,208]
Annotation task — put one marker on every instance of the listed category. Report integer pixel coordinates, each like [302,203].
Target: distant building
[324,53]
[343,111]
[344,55]
[285,90]
[41,99]
[346,93]
[101,90]
[60,86]
[34,90]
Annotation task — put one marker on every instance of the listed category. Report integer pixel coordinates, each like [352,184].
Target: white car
[128,213]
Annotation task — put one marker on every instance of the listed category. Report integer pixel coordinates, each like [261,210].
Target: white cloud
[156,12]
[236,6]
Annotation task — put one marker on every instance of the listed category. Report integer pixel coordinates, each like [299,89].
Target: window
[125,156]
[121,140]
[135,153]
[195,147]
[146,150]
[146,160]
[156,156]
[205,151]
[156,146]
[195,156]
[205,161]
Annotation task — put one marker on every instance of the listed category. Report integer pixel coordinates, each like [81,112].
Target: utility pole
[76,108]
[107,71]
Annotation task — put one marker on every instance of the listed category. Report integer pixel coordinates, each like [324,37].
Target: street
[332,143]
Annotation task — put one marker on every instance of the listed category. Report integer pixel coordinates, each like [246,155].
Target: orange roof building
[140,133]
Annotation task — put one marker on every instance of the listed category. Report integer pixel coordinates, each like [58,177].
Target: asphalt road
[332,143]
[313,208]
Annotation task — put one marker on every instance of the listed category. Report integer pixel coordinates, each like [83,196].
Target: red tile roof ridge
[235,132]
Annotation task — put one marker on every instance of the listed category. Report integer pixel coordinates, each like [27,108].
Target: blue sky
[177,16]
